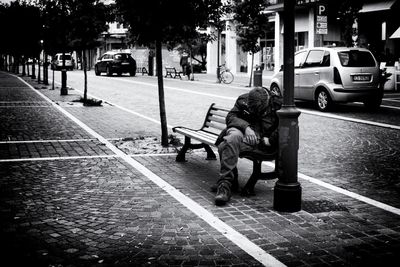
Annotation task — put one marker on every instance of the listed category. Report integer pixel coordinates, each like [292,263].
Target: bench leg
[181,155]
[248,189]
[210,153]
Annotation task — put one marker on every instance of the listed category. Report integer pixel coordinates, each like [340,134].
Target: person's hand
[266,141]
[250,136]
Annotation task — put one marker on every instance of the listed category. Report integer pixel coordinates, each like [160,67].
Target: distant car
[334,74]
[115,62]
[57,62]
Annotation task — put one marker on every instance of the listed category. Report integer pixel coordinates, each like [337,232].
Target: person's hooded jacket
[256,109]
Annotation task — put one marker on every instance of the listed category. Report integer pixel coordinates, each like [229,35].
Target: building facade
[317,23]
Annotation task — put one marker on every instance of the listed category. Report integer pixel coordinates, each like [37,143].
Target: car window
[326,60]
[122,56]
[67,57]
[356,58]
[299,59]
[314,58]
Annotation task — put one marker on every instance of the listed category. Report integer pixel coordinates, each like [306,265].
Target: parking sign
[321,26]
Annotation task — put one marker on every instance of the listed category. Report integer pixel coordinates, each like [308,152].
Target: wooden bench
[207,135]
[172,71]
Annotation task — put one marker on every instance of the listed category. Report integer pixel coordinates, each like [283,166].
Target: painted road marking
[333,116]
[46,141]
[237,238]
[58,158]
[344,192]
[316,113]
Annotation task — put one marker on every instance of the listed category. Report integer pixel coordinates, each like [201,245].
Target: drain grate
[318,206]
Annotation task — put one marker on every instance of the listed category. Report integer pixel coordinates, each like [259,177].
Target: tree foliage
[20,38]
[347,12]
[164,22]
[170,21]
[251,23]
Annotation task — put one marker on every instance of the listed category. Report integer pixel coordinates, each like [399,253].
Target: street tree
[164,22]
[347,12]
[217,21]
[57,26]
[21,40]
[88,20]
[251,24]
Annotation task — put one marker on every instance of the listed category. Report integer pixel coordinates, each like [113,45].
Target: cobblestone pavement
[68,200]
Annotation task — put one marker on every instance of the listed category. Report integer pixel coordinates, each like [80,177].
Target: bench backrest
[170,69]
[215,120]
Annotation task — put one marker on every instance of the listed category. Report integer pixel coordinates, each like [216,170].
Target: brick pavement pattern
[103,212]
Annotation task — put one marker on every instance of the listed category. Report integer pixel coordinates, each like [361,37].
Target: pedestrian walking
[184,62]
[252,126]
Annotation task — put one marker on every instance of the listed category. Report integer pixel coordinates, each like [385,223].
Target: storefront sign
[322,20]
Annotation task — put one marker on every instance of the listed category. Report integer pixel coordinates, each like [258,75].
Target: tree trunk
[45,70]
[251,70]
[23,66]
[85,75]
[33,69]
[161,98]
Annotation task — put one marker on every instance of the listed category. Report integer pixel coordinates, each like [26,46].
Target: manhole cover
[318,206]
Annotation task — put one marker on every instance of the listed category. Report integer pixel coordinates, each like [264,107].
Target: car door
[309,74]
[298,63]
[103,62]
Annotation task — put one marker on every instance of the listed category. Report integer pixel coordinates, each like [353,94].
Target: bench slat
[215,125]
[217,119]
[198,135]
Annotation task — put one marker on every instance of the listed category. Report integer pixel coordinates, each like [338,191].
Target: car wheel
[275,89]
[96,71]
[323,100]
[108,71]
[132,73]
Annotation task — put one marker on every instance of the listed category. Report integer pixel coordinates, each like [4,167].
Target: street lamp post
[64,89]
[287,190]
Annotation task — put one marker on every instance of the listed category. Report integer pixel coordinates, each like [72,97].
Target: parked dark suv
[115,62]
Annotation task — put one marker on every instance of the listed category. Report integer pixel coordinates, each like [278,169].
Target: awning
[377,6]
[396,34]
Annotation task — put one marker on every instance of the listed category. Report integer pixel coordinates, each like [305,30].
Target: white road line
[356,196]
[46,141]
[390,107]
[240,240]
[391,100]
[125,109]
[180,89]
[332,116]
[58,158]
[32,106]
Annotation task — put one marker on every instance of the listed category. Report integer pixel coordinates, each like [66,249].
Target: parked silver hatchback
[334,74]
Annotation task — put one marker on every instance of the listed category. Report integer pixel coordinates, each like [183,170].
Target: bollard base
[287,197]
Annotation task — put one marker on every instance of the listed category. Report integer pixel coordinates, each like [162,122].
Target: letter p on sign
[321,10]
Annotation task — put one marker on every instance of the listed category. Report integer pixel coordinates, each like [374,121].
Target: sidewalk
[70,197]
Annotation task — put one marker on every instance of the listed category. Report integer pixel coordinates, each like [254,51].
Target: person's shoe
[235,187]
[223,195]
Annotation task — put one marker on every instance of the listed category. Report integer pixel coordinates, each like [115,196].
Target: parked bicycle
[225,75]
